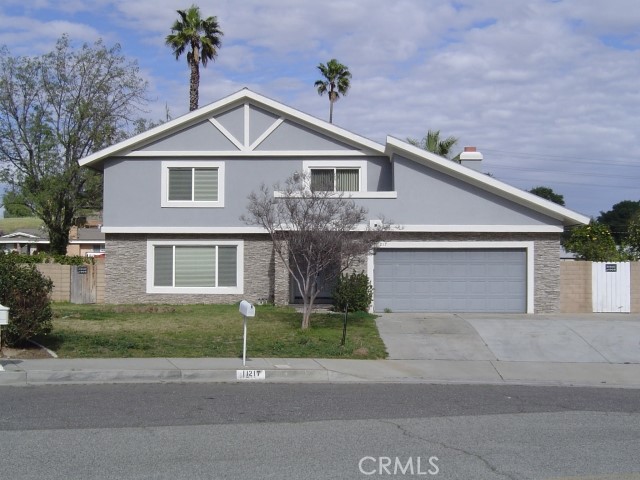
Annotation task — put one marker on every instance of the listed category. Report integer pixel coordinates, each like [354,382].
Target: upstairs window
[193,184]
[335,179]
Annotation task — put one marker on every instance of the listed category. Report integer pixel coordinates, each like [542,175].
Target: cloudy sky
[549,91]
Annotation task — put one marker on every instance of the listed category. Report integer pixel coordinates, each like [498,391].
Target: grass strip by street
[110,331]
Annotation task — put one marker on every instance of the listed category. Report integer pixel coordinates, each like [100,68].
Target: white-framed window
[195,266]
[197,183]
[335,179]
[336,176]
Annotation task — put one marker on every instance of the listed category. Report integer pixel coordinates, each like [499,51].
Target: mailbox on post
[4,320]
[247,309]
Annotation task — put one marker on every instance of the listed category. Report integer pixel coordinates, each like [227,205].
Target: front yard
[102,331]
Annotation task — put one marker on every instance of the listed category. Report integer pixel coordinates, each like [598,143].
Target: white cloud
[552,79]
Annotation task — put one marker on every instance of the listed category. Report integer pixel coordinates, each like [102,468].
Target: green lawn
[205,331]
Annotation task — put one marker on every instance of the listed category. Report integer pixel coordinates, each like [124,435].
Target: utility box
[247,309]
[4,315]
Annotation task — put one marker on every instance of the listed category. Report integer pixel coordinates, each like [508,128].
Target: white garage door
[451,280]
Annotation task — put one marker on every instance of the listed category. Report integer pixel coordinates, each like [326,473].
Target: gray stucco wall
[132,195]
[429,197]
[265,276]
[201,137]
[132,190]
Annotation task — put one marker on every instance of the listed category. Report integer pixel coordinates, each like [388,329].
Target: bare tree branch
[317,234]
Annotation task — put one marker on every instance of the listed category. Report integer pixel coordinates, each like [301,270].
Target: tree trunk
[331,101]
[58,240]
[308,298]
[306,316]
[194,85]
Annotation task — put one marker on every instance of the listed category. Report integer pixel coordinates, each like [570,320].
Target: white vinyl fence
[611,287]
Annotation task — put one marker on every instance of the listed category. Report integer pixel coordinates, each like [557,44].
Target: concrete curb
[209,370]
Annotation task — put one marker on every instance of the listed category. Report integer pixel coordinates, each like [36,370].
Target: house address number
[251,375]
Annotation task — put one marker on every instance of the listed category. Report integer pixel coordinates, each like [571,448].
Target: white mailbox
[4,315]
[247,309]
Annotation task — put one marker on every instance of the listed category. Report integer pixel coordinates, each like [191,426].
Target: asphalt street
[318,431]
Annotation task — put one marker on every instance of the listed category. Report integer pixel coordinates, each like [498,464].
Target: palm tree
[432,143]
[336,81]
[202,36]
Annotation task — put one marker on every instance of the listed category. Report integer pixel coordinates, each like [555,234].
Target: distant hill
[8,225]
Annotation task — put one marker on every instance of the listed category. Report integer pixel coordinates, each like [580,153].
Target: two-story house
[174,195]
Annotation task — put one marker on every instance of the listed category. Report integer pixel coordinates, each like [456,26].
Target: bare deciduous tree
[317,234]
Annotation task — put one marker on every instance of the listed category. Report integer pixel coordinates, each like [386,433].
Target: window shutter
[206,185]
[163,266]
[195,266]
[180,184]
[227,266]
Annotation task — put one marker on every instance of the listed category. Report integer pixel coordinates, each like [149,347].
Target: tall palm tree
[432,143]
[336,82]
[202,36]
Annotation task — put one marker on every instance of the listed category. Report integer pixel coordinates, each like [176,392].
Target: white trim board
[245,153]
[185,230]
[278,194]
[528,246]
[481,228]
[394,228]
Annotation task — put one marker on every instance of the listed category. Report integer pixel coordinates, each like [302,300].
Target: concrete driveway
[587,338]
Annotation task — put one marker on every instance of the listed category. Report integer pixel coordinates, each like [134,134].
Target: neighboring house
[27,240]
[86,242]
[82,241]
[173,197]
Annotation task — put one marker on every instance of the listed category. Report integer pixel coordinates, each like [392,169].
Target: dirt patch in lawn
[28,352]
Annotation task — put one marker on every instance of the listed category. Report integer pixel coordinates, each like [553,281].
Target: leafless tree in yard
[317,234]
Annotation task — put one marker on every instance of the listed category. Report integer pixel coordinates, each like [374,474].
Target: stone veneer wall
[546,259]
[265,276]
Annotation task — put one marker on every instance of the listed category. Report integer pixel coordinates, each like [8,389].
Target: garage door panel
[450,280]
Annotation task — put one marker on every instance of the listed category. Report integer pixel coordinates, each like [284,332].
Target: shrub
[594,243]
[43,257]
[26,292]
[354,291]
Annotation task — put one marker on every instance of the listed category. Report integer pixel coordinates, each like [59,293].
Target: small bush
[354,291]
[26,292]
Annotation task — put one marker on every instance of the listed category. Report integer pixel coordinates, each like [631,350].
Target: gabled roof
[28,234]
[483,181]
[243,96]
[393,146]
[32,235]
